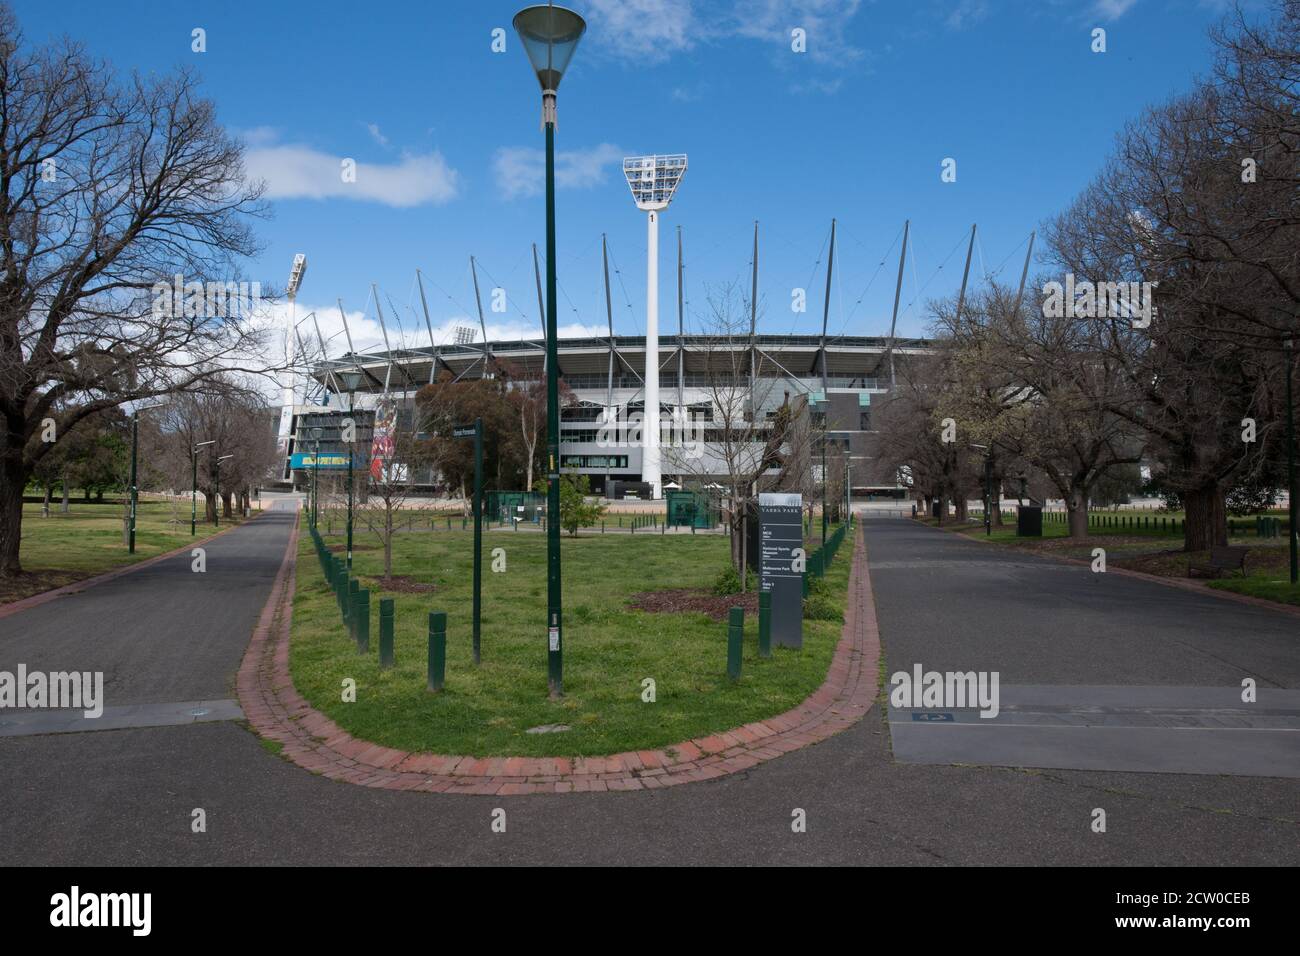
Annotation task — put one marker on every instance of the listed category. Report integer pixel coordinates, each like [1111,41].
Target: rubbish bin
[1029,522]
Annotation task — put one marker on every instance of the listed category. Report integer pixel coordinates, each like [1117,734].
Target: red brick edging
[27,603]
[313,741]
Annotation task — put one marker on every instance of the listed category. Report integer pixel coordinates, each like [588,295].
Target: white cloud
[376,135]
[1112,9]
[368,336]
[648,30]
[824,21]
[521,170]
[966,13]
[300,172]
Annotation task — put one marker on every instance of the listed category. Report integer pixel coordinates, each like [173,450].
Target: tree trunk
[65,508]
[209,507]
[12,481]
[963,508]
[1207,519]
[943,509]
[388,543]
[45,505]
[1077,506]
[744,551]
[225,504]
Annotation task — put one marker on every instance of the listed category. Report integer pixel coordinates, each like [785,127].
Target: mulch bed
[30,583]
[679,600]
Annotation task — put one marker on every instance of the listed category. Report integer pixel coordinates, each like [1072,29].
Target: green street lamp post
[135,488]
[1290,459]
[316,432]
[194,484]
[475,431]
[549,35]
[351,380]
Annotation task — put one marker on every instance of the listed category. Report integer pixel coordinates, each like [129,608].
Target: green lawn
[609,649]
[1270,587]
[65,548]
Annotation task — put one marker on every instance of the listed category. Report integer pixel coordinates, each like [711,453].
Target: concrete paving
[127,797]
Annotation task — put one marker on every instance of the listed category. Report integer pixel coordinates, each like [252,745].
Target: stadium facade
[600,430]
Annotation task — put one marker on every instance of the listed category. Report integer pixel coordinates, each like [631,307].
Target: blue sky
[445,133]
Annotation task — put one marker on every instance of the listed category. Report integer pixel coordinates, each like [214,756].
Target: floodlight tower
[296,273]
[653,181]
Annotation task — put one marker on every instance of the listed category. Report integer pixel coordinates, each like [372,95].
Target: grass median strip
[610,648]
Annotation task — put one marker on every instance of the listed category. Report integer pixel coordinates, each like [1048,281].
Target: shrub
[728,582]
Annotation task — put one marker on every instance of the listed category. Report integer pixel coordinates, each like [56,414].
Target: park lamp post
[549,35]
[1290,459]
[350,381]
[316,432]
[216,491]
[988,488]
[135,487]
[194,483]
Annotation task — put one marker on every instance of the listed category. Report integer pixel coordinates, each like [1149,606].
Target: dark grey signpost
[780,529]
[475,432]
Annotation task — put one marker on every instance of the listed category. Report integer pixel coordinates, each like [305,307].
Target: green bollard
[386,632]
[361,620]
[764,623]
[437,650]
[354,586]
[735,638]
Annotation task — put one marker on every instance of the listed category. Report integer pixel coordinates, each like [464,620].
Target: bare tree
[750,424]
[107,190]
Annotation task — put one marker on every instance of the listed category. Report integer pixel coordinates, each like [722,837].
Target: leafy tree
[575,510]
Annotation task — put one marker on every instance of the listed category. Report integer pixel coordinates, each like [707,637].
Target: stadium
[838,379]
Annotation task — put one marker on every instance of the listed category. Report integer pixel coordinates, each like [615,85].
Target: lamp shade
[350,380]
[550,35]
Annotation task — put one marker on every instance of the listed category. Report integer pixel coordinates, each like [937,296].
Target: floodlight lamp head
[296,273]
[654,179]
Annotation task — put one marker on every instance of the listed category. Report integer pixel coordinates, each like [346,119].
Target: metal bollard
[354,586]
[437,650]
[386,632]
[735,638]
[764,623]
[361,620]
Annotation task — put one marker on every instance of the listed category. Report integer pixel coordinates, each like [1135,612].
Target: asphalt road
[126,796]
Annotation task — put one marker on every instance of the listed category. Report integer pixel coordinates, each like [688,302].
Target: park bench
[1221,559]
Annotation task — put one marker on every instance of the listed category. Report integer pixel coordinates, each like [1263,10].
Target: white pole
[287,386]
[650,469]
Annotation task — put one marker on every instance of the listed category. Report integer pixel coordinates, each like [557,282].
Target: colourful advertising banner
[381,448]
[325,462]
